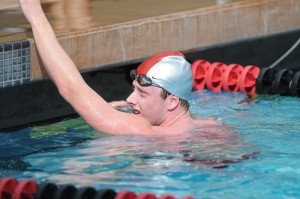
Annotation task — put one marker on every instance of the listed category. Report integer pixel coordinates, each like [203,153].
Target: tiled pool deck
[14,64]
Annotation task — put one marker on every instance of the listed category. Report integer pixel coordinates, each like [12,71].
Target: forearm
[117,104]
[57,63]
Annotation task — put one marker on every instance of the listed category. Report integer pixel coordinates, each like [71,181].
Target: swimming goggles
[142,79]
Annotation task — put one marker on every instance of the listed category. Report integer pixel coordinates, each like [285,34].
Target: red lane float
[218,76]
[214,76]
[125,194]
[247,79]
[146,196]
[199,69]
[166,197]
[7,187]
[25,189]
[230,77]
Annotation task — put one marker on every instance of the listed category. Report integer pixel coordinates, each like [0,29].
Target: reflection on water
[74,15]
[148,162]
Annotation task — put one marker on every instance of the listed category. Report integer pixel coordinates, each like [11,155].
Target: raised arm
[93,108]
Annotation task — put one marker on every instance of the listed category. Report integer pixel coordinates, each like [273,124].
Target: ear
[172,102]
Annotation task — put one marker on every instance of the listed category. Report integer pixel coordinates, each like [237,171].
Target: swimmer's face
[148,103]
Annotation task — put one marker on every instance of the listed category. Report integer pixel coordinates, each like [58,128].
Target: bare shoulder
[209,121]
[213,125]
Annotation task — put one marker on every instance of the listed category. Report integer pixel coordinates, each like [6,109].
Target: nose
[131,99]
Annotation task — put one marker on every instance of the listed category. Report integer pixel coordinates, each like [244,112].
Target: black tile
[17,45]
[7,84]
[25,44]
[17,83]
[7,46]
[24,74]
[24,52]
[1,48]
[26,81]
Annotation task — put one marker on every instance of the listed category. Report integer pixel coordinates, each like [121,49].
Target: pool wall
[260,51]
[134,40]
[237,32]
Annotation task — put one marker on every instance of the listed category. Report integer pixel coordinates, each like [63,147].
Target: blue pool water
[256,154]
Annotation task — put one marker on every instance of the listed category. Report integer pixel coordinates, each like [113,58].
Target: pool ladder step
[10,188]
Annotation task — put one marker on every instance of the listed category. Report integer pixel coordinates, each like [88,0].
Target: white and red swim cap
[170,71]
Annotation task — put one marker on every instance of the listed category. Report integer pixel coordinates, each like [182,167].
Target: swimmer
[161,85]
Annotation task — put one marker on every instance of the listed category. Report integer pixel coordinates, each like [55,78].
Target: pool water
[255,154]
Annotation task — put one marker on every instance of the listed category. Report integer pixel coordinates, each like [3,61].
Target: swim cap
[170,71]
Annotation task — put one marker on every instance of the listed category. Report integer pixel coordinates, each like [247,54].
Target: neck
[175,117]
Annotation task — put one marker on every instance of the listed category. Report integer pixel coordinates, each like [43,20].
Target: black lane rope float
[283,82]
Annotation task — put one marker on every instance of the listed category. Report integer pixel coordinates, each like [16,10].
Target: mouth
[135,111]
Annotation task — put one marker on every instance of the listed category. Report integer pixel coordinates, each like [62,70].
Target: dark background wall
[40,101]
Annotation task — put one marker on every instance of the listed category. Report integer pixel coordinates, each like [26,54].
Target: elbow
[73,91]
[67,91]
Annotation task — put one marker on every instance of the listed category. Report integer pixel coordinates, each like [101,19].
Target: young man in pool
[155,111]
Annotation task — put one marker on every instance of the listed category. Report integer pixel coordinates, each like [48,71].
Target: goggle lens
[142,79]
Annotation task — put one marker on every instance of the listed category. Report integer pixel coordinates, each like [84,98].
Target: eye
[142,93]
